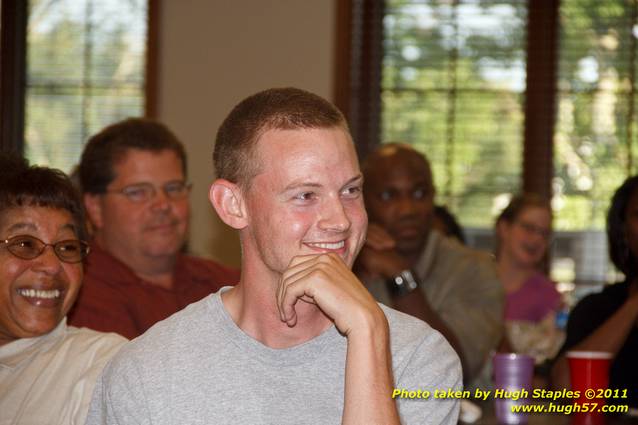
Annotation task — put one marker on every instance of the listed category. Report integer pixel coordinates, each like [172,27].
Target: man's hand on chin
[378,257]
[328,282]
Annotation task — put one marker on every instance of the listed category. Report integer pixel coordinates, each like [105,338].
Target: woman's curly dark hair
[25,185]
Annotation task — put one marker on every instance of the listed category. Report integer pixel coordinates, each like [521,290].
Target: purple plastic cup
[513,375]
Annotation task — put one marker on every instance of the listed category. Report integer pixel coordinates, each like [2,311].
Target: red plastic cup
[589,371]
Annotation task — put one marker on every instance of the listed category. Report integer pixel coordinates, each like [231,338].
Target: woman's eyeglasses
[29,247]
[534,229]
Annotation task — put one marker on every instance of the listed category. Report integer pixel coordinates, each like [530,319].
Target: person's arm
[369,382]
[325,280]
[610,336]
[379,258]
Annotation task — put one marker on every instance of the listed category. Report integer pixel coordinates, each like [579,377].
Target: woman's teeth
[39,293]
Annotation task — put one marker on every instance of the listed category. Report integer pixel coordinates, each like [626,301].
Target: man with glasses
[408,266]
[47,369]
[133,177]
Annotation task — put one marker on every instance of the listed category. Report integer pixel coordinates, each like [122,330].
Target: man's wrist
[402,283]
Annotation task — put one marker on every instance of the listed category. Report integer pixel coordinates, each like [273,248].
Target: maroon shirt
[114,299]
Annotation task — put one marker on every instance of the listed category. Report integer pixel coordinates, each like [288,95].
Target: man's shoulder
[168,338]
[404,325]
[408,333]
[451,250]
[204,268]
[101,267]
[420,354]
[200,263]
[453,258]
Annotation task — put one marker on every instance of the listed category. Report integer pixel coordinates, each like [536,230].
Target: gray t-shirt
[199,367]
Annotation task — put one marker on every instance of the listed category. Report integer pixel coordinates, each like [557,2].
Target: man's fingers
[303,262]
[326,281]
[301,259]
[298,265]
[293,288]
[299,268]
[378,230]
[377,238]
[379,244]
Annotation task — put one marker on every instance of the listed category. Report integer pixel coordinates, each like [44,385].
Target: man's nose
[160,201]
[334,217]
[405,206]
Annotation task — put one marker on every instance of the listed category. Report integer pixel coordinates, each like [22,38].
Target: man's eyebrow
[356,179]
[300,184]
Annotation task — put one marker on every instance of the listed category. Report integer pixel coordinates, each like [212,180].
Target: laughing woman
[532,301]
[47,369]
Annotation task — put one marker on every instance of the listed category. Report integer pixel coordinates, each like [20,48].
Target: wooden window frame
[357,82]
[13,48]
[13,38]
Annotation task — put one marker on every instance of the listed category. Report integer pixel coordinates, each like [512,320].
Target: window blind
[501,102]
[453,86]
[85,70]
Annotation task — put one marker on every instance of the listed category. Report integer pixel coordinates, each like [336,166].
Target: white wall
[213,53]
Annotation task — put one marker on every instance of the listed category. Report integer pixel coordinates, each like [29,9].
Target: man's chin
[410,247]
[164,249]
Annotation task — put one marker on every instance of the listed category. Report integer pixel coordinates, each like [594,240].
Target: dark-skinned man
[414,269]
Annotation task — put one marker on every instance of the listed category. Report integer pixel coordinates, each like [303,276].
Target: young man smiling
[299,340]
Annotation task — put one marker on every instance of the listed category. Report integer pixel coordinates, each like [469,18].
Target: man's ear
[228,201]
[93,206]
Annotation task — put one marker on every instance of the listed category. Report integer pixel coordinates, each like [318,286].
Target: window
[453,85]
[12,46]
[595,134]
[86,64]
[504,95]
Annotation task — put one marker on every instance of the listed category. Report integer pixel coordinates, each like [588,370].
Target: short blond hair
[274,109]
